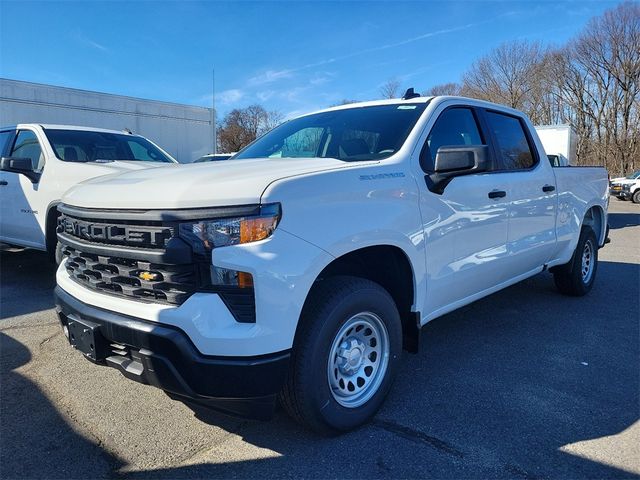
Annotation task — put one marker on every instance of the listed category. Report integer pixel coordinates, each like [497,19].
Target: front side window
[90,146]
[454,127]
[4,139]
[353,134]
[513,146]
[27,146]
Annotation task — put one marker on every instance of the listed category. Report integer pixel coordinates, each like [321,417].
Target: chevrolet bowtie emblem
[148,276]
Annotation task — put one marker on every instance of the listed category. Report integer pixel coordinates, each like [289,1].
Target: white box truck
[559,142]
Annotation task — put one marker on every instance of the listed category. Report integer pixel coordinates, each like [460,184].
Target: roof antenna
[409,94]
[127,130]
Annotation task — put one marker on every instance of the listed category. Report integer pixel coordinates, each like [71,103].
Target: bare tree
[444,89]
[242,126]
[510,74]
[598,78]
[390,89]
[344,101]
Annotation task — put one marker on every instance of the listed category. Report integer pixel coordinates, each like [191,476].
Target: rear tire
[576,277]
[345,356]
[636,196]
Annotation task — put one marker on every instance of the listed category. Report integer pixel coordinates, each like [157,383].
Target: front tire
[636,196]
[576,277]
[345,356]
[54,252]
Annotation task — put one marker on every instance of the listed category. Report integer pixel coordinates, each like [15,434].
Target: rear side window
[512,144]
[454,127]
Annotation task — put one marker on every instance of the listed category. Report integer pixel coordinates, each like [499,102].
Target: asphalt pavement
[526,383]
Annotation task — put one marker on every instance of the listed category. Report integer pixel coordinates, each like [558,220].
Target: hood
[124,165]
[624,180]
[82,170]
[210,184]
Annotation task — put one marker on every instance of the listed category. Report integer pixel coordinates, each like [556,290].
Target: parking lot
[523,384]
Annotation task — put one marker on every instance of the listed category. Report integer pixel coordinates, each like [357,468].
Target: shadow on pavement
[623,220]
[500,387]
[36,441]
[27,278]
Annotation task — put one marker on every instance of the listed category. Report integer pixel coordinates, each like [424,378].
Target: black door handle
[497,194]
[3,183]
[548,188]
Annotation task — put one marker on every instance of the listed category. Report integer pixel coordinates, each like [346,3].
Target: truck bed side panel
[579,189]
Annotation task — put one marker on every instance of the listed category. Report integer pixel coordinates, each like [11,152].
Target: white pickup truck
[626,188]
[40,162]
[303,266]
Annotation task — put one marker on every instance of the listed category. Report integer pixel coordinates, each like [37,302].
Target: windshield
[355,134]
[634,175]
[88,146]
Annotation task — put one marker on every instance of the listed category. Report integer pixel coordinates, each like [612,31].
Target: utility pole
[213,110]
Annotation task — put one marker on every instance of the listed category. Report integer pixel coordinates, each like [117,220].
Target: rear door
[531,193]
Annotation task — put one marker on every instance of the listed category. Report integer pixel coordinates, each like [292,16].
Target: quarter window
[27,146]
[512,144]
[454,127]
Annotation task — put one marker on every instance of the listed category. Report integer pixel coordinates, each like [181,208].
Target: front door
[466,225]
[20,195]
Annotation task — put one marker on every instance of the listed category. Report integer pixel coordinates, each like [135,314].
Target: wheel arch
[390,267]
[596,219]
[51,223]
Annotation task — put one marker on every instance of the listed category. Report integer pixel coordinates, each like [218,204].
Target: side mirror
[19,165]
[455,161]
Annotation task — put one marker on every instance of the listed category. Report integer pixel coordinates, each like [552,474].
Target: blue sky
[290,56]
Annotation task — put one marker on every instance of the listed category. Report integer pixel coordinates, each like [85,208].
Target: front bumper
[620,193]
[165,357]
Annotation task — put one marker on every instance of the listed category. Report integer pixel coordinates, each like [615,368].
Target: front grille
[171,284]
[139,255]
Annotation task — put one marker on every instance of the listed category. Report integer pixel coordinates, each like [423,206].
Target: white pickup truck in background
[626,188]
[40,162]
[302,266]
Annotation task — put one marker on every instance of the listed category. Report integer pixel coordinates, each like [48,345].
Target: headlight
[205,235]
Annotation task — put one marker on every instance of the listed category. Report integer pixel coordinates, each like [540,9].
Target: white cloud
[269,76]
[229,97]
[265,95]
[400,43]
[89,42]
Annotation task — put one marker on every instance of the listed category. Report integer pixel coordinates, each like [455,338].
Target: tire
[622,199]
[58,256]
[351,317]
[576,277]
[636,196]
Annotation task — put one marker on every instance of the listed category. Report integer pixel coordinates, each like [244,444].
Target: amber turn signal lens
[245,280]
[255,229]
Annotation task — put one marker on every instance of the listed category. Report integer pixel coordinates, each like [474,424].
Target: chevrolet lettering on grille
[116,234]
